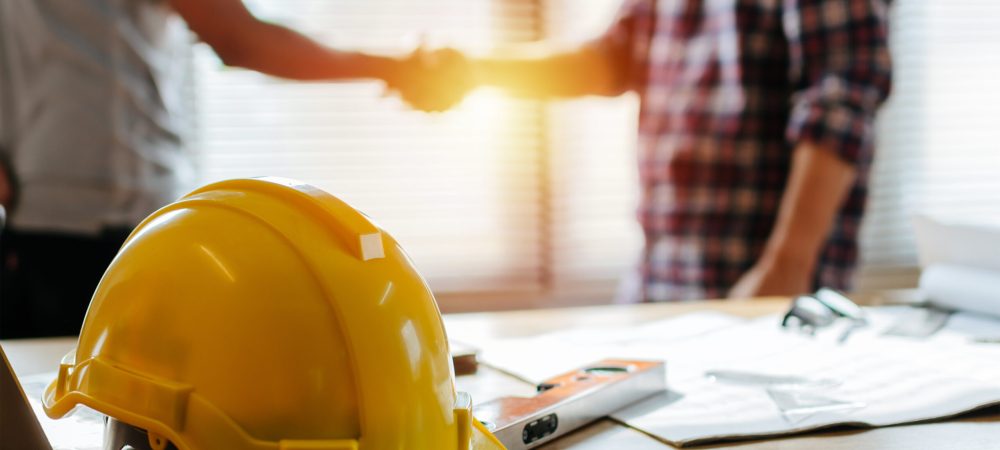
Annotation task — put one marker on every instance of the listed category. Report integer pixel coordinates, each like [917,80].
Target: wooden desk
[975,431]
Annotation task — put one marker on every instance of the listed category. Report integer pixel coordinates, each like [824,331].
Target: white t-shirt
[91,117]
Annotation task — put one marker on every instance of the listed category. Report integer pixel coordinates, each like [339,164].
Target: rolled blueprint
[963,288]
[966,244]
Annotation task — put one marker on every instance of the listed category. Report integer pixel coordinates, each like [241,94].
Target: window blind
[596,238]
[938,141]
[460,190]
[529,199]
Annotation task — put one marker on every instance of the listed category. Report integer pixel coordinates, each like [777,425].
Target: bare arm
[535,71]
[241,40]
[845,75]
[817,187]
[602,66]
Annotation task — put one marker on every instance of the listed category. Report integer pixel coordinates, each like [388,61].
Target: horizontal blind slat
[458,190]
[937,144]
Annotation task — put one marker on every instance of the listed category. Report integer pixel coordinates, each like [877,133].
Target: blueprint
[872,379]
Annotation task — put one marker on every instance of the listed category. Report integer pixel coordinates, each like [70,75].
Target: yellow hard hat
[267,314]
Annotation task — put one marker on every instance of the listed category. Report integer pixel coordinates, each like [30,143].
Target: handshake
[432,80]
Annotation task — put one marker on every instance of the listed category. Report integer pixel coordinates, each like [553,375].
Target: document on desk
[82,430]
[871,380]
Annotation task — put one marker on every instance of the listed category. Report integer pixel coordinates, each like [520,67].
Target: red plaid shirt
[728,87]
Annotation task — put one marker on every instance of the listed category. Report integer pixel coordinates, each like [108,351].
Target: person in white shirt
[92,135]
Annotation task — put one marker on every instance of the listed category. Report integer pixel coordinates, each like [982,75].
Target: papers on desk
[82,430]
[871,379]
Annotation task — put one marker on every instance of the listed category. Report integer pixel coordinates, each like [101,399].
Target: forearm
[242,40]
[817,186]
[846,73]
[281,52]
[535,71]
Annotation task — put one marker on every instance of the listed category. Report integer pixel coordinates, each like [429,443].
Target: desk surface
[976,431]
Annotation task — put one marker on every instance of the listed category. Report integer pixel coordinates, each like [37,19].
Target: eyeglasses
[811,312]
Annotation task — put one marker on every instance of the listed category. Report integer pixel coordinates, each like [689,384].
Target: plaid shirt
[727,88]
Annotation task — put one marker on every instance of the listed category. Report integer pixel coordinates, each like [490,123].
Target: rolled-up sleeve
[626,42]
[841,67]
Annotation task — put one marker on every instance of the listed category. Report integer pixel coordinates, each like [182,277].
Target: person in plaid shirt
[755,134]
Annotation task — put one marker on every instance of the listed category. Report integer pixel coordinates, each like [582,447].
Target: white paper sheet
[82,430]
[575,347]
[884,380]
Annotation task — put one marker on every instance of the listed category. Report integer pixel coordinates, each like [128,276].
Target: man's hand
[773,277]
[433,80]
